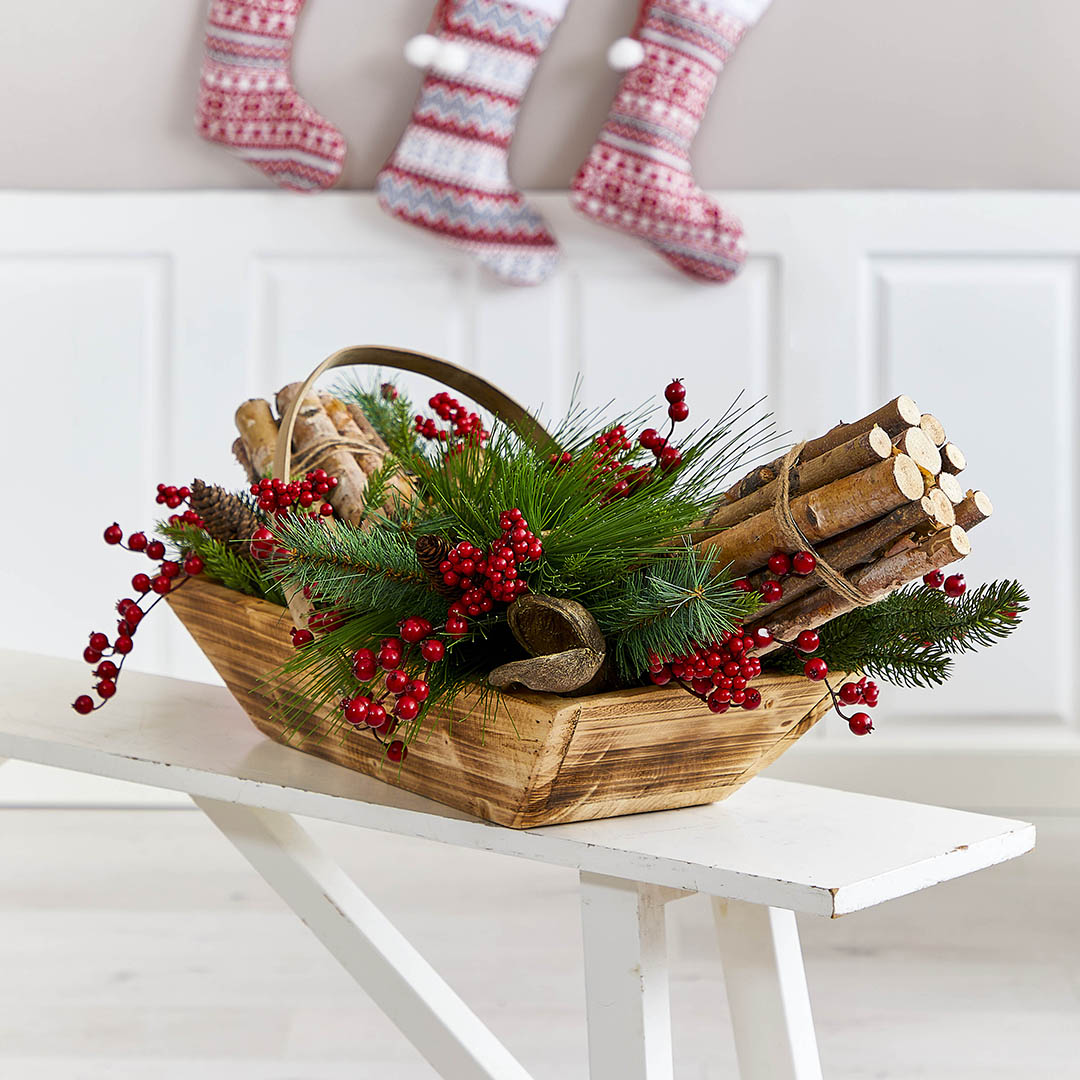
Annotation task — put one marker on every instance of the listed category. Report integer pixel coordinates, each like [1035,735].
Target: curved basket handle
[478,389]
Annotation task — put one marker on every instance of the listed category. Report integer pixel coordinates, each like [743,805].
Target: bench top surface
[789,845]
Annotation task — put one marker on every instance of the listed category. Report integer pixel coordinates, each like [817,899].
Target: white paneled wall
[133,324]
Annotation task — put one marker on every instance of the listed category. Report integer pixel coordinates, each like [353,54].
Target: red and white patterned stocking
[247,102]
[637,176]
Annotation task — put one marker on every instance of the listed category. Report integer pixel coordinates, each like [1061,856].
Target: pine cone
[225,516]
[430,552]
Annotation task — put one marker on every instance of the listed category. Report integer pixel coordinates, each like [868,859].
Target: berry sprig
[99,649]
[717,674]
[465,427]
[802,563]
[277,498]
[405,663]
[668,456]
[953,586]
[494,576]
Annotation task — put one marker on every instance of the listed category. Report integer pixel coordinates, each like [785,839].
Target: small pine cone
[430,552]
[225,516]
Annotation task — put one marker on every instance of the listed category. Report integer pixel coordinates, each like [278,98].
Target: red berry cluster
[953,585]
[409,688]
[276,497]
[485,578]
[388,391]
[668,456]
[781,564]
[131,614]
[465,427]
[718,673]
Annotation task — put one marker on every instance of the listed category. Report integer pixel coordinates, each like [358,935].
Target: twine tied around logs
[310,456]
[796,539]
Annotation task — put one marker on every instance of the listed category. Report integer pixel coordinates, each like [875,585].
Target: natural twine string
[310,456]
[796,539]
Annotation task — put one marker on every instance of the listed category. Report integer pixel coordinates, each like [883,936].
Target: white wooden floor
[136,943]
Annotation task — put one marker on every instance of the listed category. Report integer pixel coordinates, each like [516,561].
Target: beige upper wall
[823,93]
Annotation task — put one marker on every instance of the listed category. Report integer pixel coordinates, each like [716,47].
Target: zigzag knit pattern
[247,102]
[637,176]
[449,173]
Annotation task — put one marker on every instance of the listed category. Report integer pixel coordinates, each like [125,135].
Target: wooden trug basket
[536,759]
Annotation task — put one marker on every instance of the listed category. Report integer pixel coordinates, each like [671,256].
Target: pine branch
[364,570]
[909,638]
[223,562]
[681,601]
[392,417]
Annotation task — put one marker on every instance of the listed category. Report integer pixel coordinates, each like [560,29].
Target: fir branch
[681,601]
[910,637]
[391,417]
[364,570]
[223,562]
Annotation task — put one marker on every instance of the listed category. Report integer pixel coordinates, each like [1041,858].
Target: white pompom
[421,50]
[626,53]
[451,59]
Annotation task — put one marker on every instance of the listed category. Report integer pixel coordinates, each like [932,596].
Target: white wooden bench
[773,849]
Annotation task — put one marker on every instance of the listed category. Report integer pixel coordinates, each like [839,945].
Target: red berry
[113,534]
[161,584]
[860,724]
[934,580]
[807,641]
[396,681]
[742,584]
[376,715]
[955,585]
[649,438]
[661,677]
[107,670]
[155,549]
[675,391]
[752,699]
[407,707]
[133,615]
[137,541]
[91,655]
[762,637]
[803,563]
[83,704]
[670,458]
[99,642]
[678,411]
[433,650]
[456,626]
[193,565]
[849,694]
[106,688]
[397,751]
[816,669]
[771,591]
[779,564]
[356,709]
[123,605]
[123,645]
[302,637]
[413,629]
[418,689]
[717,704]
[170,569]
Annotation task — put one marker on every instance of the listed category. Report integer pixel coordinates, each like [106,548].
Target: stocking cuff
[746,11]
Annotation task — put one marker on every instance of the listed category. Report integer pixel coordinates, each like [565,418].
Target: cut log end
[951,486]
[909,478]
[975,508]
[934,428]
[953,459]
[944,512]
[908,411]
[916,444]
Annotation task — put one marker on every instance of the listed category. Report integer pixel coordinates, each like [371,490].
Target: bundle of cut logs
[330,434]
[878,500]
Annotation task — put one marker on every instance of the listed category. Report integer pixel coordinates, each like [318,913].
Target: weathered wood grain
[536,759]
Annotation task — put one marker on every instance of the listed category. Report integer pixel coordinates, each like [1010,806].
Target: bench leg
[398,979]
[767,994]
[626,979]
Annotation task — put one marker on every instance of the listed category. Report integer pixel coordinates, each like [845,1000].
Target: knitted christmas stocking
[448,173]
[247,102]
[637,176]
